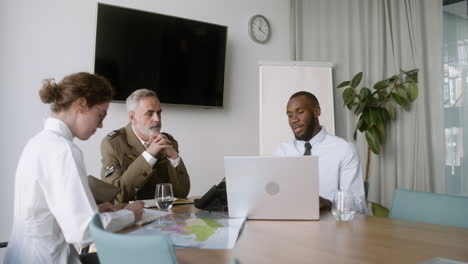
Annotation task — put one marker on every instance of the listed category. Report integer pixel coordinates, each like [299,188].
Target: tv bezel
[176,17]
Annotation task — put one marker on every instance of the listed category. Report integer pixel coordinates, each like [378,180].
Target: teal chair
[430,208]
[127,248]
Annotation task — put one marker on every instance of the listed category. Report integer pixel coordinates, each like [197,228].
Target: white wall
[53,38]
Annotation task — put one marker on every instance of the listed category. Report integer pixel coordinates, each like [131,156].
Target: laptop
[273,188]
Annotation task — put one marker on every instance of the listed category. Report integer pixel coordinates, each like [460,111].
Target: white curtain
[380,37]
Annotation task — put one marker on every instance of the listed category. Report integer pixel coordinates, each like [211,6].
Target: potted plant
[376,107]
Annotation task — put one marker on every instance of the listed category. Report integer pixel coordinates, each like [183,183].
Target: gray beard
[149,132]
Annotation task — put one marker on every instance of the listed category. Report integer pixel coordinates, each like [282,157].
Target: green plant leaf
[381,85]
[377,138]
[370,140]
[400,101]
[401,91]
[391,111]
[359,124]
[363,127]
[382,95]
[393,78]
[366,116]
[413,74]
[412,91]
[348,95]
[356,80]
[384,114]
[373,102]
[352,105]
[373,116]
[359,109]
[375,134]
[343,84]
[379,210]
[365,92]
[381,130]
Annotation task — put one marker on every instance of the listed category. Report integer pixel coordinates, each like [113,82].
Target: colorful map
[198,230]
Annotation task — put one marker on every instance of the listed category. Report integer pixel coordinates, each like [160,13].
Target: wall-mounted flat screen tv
[181,59]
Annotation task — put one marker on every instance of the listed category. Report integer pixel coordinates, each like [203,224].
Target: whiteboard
[280,80]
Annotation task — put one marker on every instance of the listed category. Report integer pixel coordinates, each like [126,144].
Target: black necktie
[308,147]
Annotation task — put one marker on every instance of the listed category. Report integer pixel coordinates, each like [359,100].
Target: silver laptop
[275,188]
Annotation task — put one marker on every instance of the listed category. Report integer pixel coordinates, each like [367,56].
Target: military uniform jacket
[124,166]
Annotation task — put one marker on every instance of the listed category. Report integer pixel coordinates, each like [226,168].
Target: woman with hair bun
[53,202]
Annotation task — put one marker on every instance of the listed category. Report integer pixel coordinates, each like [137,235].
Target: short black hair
[312,99]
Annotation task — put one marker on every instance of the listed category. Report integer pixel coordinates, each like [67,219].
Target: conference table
[366,239]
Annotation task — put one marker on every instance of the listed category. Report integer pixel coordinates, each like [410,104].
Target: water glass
[164,196]
[344,205]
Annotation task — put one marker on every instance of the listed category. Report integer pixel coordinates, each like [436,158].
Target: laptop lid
[279,188]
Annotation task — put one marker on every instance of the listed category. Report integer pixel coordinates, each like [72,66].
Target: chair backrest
[430,208]
[127,248]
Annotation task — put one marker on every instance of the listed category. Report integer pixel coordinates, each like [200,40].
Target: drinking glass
[164,196]
[343,205]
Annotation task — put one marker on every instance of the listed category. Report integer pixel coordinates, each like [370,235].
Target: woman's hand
[107,207]
[137,208]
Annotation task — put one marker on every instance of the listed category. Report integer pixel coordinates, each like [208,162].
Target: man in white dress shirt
[339,165]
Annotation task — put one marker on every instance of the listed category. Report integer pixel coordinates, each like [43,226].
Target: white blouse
[53,202]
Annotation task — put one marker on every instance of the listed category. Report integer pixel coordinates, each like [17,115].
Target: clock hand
[260,28]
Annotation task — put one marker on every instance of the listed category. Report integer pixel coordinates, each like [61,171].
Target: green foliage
[379,210]
[375,107]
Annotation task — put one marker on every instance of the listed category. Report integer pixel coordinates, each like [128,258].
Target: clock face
[259,29]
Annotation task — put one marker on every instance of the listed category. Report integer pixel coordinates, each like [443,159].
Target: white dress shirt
[339,165]
[53,202]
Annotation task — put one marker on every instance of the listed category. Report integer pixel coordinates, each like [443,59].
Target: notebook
[274,188]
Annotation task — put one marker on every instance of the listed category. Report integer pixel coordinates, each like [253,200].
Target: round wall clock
[259,29]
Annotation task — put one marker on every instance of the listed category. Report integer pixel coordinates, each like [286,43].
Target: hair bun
[50,92]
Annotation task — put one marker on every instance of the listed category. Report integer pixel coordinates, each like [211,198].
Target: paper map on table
[150,203]
[198,230]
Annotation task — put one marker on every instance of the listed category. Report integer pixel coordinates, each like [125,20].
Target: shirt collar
[313,141]
[58,126]
[319,137]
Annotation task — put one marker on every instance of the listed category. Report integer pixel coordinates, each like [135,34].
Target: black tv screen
[182,60]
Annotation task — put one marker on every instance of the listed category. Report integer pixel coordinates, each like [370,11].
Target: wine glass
[164,196]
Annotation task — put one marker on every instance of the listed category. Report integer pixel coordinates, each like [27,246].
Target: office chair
[127,248]
[430,208]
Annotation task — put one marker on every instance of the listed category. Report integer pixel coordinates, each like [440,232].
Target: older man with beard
[137,157]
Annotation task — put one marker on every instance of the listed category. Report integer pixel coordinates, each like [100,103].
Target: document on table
[197,230]
[151,215]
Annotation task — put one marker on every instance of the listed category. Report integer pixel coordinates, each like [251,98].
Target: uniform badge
[109,170]
[132,157]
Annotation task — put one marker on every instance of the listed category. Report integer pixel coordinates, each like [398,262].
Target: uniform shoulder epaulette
[168,135]
[114,133]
